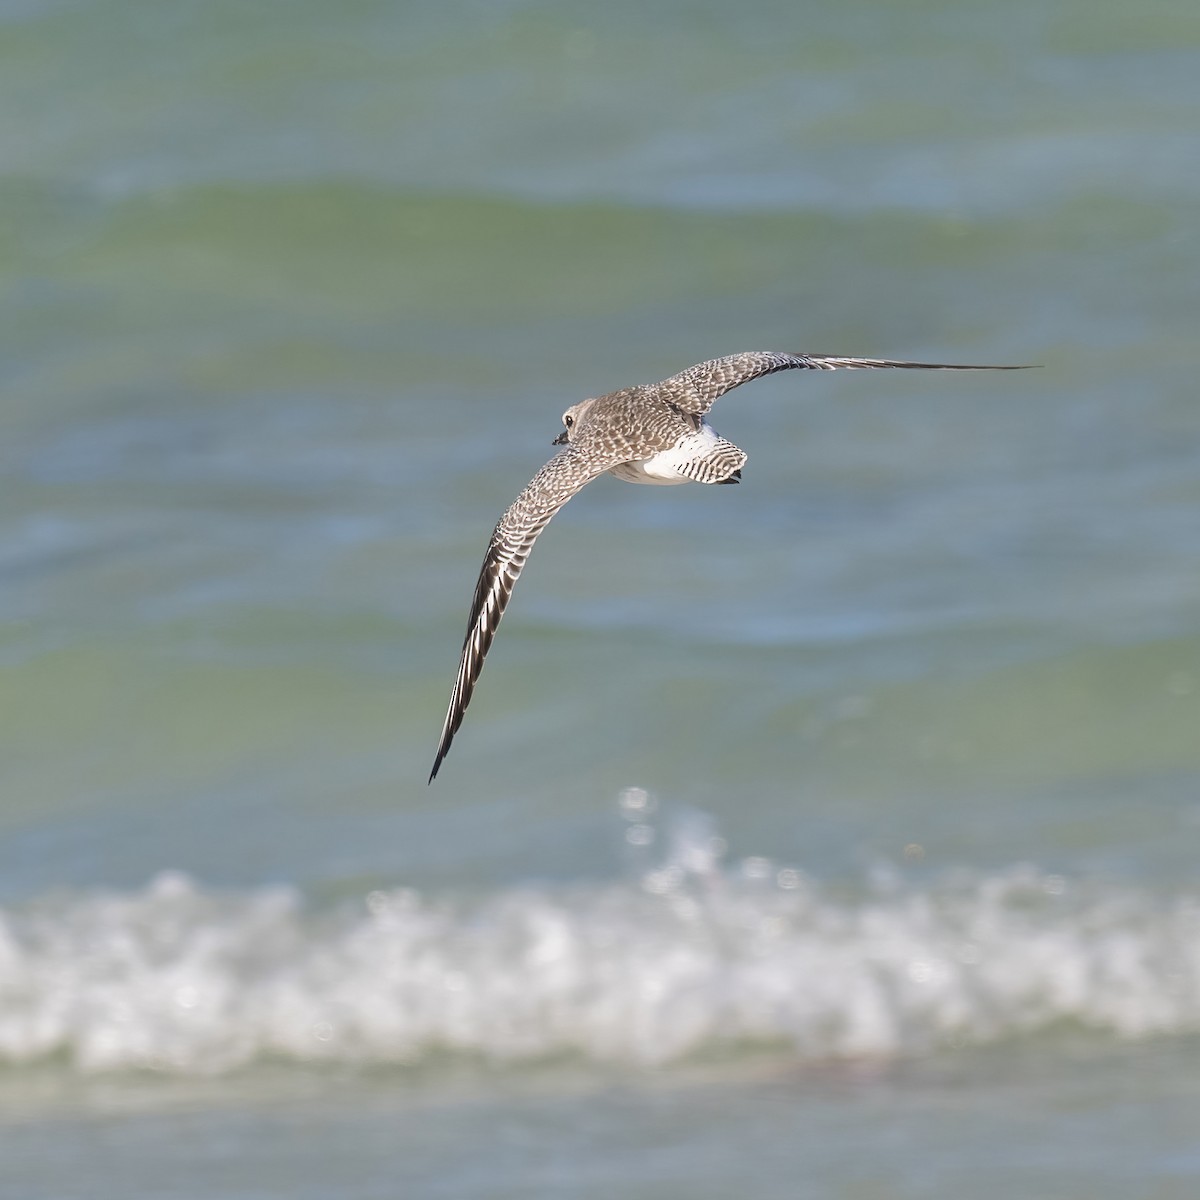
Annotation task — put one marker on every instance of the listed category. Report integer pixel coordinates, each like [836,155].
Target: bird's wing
[698,388]
[512,540]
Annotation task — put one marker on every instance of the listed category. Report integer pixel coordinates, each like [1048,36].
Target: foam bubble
[692,955]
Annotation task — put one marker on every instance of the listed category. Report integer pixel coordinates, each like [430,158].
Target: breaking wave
[691,955]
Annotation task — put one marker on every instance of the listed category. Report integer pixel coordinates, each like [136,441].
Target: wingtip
[437,764]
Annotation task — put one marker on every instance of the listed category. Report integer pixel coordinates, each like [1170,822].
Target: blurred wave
[691,957]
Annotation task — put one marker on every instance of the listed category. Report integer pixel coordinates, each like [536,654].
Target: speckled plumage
[650,433]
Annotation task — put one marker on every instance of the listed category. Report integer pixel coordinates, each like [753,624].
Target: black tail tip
[736,477]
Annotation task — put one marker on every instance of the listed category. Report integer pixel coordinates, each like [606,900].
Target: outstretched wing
[511,543]
[698,388]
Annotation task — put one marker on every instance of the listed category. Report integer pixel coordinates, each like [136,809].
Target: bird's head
[570,420]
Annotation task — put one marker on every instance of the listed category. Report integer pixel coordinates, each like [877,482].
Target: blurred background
[833,835]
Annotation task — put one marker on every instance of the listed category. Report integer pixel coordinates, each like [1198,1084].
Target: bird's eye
[568,420]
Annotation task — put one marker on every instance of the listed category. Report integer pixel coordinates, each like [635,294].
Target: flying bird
[650,433]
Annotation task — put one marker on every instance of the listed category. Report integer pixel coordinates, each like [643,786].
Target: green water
[291,299]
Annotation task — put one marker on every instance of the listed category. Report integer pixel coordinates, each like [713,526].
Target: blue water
[834,834]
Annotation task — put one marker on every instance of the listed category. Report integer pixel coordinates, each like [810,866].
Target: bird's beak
[561,440]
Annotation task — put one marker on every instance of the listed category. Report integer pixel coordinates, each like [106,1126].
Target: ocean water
[832,835]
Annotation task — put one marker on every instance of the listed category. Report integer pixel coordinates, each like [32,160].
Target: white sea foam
[690,956]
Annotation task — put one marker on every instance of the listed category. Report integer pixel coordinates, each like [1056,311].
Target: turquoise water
[832,835]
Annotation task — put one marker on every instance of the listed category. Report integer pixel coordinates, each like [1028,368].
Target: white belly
[650,470]
[663,468]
